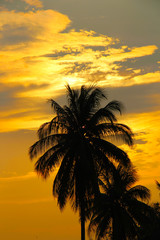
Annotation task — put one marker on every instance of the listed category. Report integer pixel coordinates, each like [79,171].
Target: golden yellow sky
[41,49]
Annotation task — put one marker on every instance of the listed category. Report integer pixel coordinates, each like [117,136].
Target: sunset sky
[46,44]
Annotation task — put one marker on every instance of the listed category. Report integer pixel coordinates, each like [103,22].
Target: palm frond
[50,159]
[72,119]
[64,181]
[103,115]
[141,212]
[112,151]
[128,229]
[139,192]
[115,106]
[57,108]
[43,130]
[44,143]
[48,127]
[93,101]
[126,176]
[115,131]
[72,96]
[104,185]
[107,113]
[100,220]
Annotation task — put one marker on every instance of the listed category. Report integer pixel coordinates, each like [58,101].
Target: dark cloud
[17,5]
[12,35]
[138,98]
[77,67]
[145,64]
[68,51]
[140,141]
[7,96]
[10,101]
[139,151]
[58,54]
[97,76]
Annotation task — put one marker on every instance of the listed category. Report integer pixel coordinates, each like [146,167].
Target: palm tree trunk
[82,222]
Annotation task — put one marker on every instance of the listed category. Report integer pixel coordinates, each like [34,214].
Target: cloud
[147,78]
[34,3]
[140,141]
[124,53]
[27,176]
[37,25]
[39,55]
[137,98]
[2,8]
[44,52]
[145,153]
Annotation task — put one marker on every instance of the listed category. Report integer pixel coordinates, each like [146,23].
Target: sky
[43,46]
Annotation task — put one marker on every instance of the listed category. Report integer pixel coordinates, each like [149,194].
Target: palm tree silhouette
[76,140]
[120,213]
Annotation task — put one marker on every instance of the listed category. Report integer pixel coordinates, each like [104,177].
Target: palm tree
[120,213]
[76,141]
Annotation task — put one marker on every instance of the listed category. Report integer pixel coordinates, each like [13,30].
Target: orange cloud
[135,52]
[147,78]
[36,24]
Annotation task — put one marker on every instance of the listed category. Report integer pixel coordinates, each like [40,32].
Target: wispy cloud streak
[27,176]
